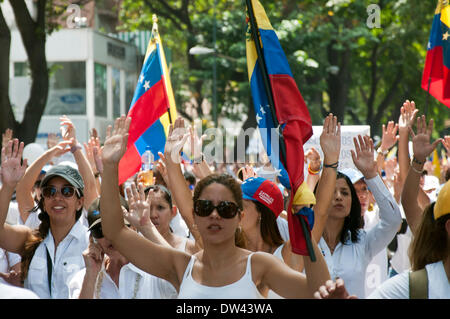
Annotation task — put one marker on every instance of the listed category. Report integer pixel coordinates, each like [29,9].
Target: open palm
[422,147]
[116,141]
[363,156]
[11,169]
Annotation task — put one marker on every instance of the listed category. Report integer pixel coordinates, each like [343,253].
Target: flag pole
[156,33]
[255,35]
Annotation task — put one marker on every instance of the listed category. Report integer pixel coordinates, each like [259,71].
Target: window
[115,81]
[100,89]
[67,88]
[130,86]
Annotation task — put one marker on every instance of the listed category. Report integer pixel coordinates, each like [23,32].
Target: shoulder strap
[418,284]
[49,271]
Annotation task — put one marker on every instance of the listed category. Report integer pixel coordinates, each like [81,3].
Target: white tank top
[244,288]
[277,253]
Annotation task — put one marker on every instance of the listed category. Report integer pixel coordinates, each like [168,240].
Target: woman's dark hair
[161,188]
[39,234]
[229,182]
[268,225]
[354,221]
[430,243]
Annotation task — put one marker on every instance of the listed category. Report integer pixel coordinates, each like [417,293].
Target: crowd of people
[204,230]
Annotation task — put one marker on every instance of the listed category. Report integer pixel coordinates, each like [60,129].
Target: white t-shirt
[12,292]
[13,213]
[397,287]
[7,258]
[179,226]
[65,264]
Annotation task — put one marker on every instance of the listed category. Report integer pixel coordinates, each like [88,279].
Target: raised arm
[390,216]
[330,142]
[24,190]
[388,139]
[422,148]
[12,238]
[407,115]
[90,186]
[167,263]
[139,214]
[180,191]
[312,158]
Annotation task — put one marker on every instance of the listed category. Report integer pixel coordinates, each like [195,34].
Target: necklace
[99,283]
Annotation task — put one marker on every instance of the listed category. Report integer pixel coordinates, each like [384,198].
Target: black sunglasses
[50,191]
[97,232]
[225,209]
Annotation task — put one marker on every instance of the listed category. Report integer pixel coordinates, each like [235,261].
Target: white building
[92,78]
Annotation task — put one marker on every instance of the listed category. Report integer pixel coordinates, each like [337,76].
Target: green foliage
[384,64]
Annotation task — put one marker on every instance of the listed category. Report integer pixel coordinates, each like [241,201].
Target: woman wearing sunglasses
[52,253]
[221,269]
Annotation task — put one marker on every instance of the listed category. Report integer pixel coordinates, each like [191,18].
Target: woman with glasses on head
[51,254]
[220,269]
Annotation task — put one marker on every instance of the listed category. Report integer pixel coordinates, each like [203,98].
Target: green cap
[70,174]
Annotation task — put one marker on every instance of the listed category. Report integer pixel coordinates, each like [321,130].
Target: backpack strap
[418,284]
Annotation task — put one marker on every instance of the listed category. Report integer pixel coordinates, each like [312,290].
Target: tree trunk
[33,37]
[339,84]
[6,115]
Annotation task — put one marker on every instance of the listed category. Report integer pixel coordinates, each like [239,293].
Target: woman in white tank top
[217,207]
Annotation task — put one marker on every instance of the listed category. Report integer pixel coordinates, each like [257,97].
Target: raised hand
[363,156]
[6,137]
[389,136]
[139,207]
[11,168]
[422,147]
[407,115]
[312,157]
[446,143]
[161,167]
[67,128]
[175,140]
[89,150]
[248,172]
[330,139]
[333,290]
[93,258]
[61,148]
[52,140]
[196,143]
[116,141]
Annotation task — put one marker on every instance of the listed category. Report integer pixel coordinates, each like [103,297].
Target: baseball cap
[304,196]
[69,173]
[93,215]
[353,174]
[265,192]
[442,206]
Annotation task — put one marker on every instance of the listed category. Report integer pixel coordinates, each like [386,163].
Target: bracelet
[415,160]
[75,148]
[384,153]
[415,170]
[334,165]
[310,171]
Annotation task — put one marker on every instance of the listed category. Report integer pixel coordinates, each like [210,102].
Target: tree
[33,35]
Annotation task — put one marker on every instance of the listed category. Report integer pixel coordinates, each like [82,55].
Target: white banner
[348,132]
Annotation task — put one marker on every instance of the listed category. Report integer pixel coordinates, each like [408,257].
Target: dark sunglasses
[50,191]
[225,209]
[97,232]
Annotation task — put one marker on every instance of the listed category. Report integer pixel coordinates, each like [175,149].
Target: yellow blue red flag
[436,73]
[152,108]
[279,106]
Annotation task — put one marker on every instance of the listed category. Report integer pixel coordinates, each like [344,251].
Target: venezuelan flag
[152,108]
[436,73]
[291,113]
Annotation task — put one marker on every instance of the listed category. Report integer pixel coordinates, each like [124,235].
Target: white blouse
[350,261]
[67,261]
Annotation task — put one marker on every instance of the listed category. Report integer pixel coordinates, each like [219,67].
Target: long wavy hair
[430,244]
[229,182]
[268,226]
[39,234]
